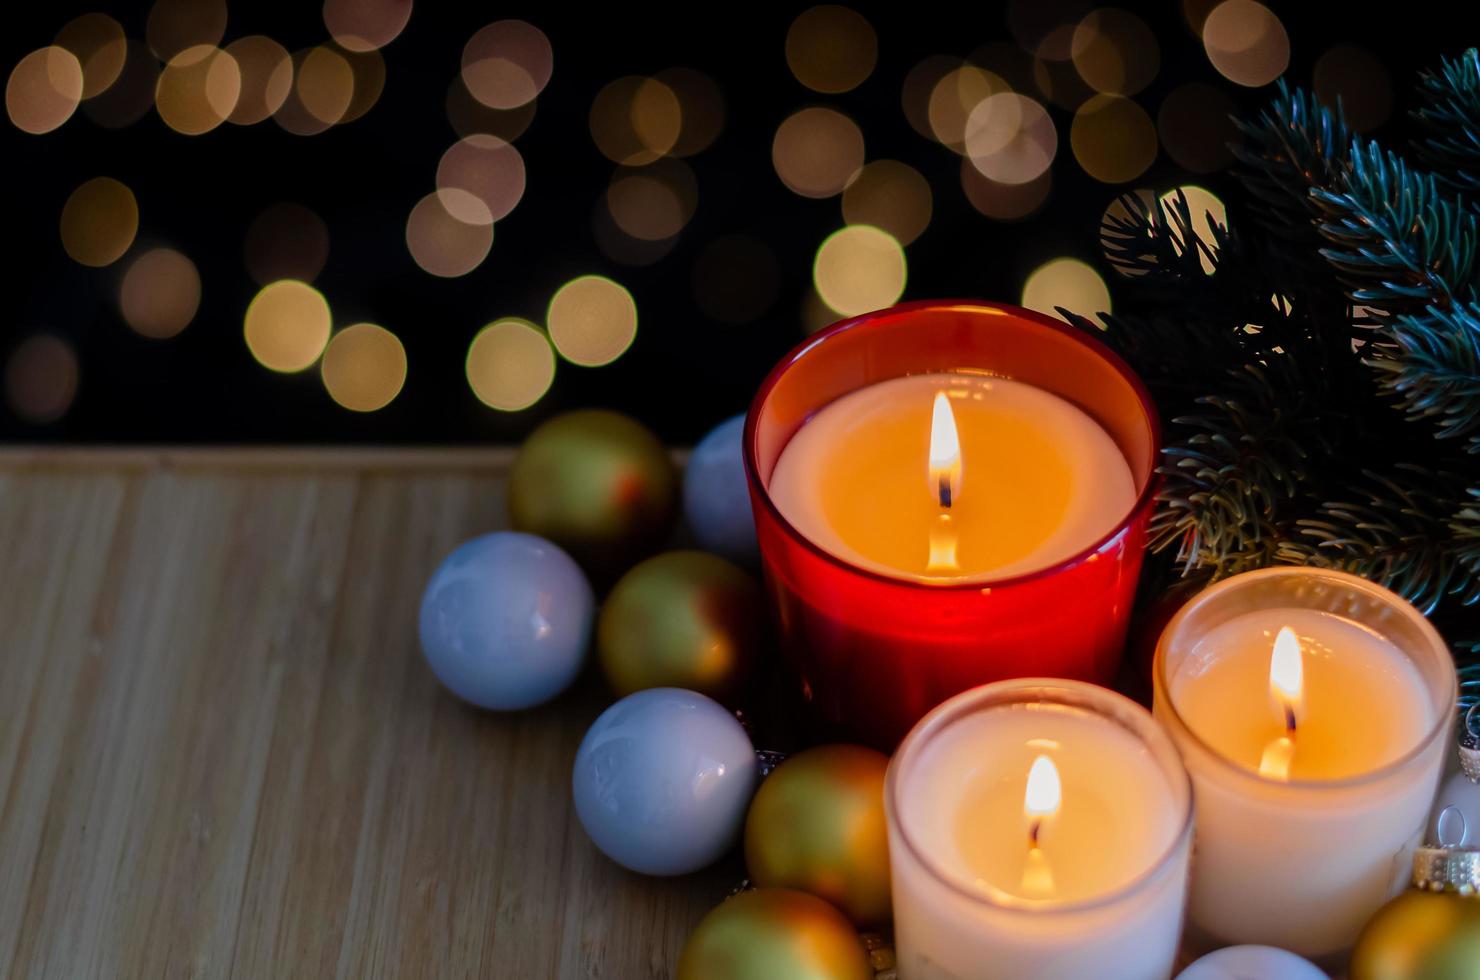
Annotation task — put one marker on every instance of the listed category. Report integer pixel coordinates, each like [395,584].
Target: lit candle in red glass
[947,494]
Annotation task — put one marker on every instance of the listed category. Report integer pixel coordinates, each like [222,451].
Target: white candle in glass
[1310,708]
[1037,828]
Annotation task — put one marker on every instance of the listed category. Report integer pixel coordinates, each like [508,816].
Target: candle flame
[945,452]
[1287,673]
[1044,790]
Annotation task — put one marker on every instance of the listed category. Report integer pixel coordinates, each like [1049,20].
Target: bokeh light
[1004,202]
[364,25]
[1069,283]
[285,241]
[592,321]
[736,279]
[890,195]
[859,268]
[489,173]
[266,78]
[1246,42]
[510,365]
[635,121]
[817,151]
[701,109]
[1010,138]
[507,64]
[1205,210]
[131,95]
[1054,70]
[1113,139]
[176,25]
[953,99]
[99,222]
[160,293]
[1359,80]
[364,367]
[287,325]
[440,243]
[831,48]
[97,41]
[1113,225]
[919,86]
[198,89]
[1031,21]
[1196,126]
[368,69]
[655,202]
[1115,52]
[468,116]
[41,378]
[325,84]
[621,247]
[43,90]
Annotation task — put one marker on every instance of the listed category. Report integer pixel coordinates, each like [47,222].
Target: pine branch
[1398,534]
[1398,242]
[1451,117]
[1430,363]
[1157,242]
[1292,146]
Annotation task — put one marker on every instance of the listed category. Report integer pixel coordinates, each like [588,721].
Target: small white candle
[1307,706]
[1037,828]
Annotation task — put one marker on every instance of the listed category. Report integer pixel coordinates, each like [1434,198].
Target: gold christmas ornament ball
[682,619]
[817,824]
[1418,936]
[774,933]
[599,485]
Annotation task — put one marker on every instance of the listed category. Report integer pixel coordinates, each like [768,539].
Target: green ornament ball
[1416,937]
[599,485]
[771,934]
[682,619]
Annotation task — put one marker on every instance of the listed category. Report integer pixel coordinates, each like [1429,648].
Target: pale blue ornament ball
[716,500]
[506,621]
[1252,963]
[662,781]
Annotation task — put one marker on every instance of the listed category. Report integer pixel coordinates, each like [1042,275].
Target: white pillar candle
[1037,828]
[1031,479]
[1309,708]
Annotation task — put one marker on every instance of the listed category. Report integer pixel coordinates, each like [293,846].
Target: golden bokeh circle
[176,25]
[198,89]
[266,78]
[953,99]
[1004,202]
[701,109]
[817,152]
[43,90]
[41,378]
[160,293]
[1011,138]
[287,325]
[364,367]
[489,170]
[1205,210]
[1113,139]
[831,48]
[919,85]
[100,47]
[99,222]
[365,25]
[325,84]
[468,116]
[368,68]
[859,268]
[1114,51]
[592,320]
[510,365]
[890,195]
[442,244]
[507,64]
[1246,42]
[1069,283]
[131,95]
[652,203]
[635,120]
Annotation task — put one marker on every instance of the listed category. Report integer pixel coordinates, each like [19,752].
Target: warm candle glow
[945,452]
[1286,679]
[1044,791]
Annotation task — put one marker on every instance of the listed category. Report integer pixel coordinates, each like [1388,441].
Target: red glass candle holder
[875,653]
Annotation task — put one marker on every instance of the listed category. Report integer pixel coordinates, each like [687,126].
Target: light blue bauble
[715,497]
[662,781]
[1252,963]
[506,621]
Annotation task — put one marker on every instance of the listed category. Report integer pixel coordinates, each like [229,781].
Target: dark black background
[684,372]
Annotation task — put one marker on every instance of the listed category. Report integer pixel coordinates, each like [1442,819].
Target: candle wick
[945,490]
[1034,829]
[1289,721]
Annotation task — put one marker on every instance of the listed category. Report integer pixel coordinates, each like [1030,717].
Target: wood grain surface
[221,754]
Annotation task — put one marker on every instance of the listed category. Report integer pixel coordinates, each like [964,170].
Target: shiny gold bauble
[682,619]
[817,824]
[774,934]
[1408,937]
[599,485]
[1456,957]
